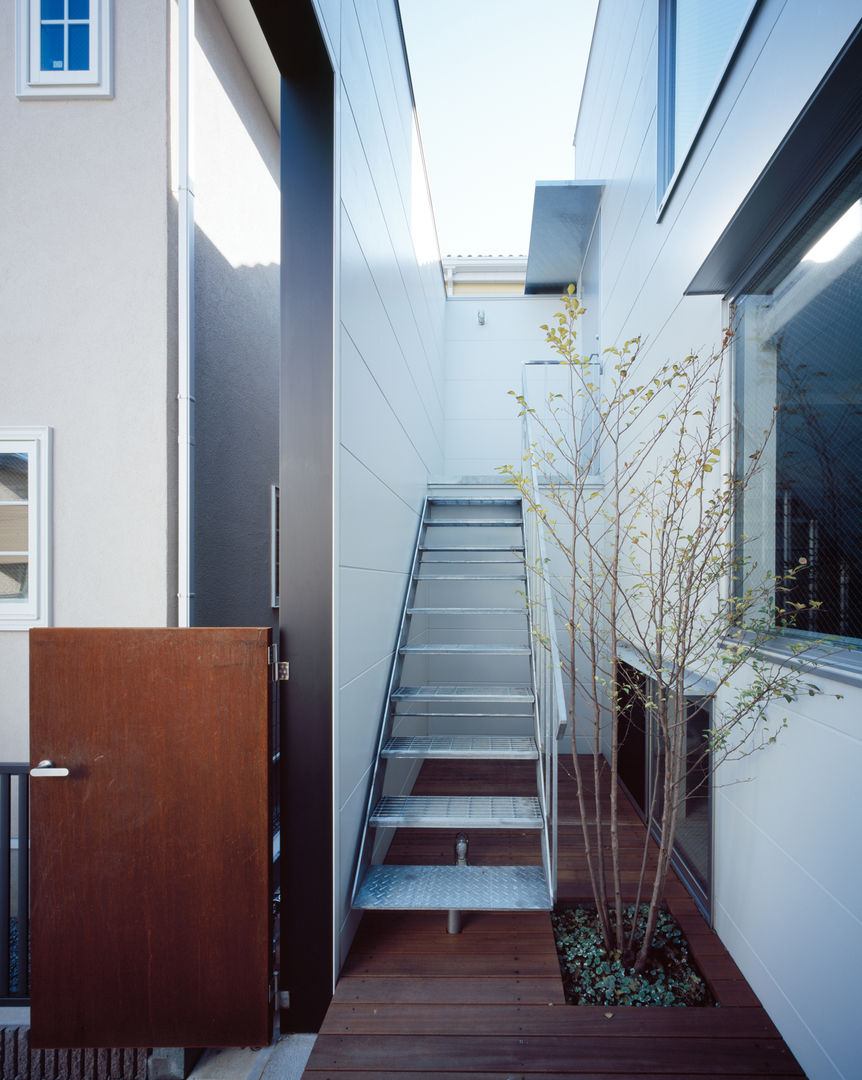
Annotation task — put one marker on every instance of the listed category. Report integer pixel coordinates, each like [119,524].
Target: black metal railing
[14,884]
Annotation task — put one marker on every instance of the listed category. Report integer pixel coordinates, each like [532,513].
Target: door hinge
[279,670]
[281,998]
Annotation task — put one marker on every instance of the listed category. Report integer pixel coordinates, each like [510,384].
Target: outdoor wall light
[480,315]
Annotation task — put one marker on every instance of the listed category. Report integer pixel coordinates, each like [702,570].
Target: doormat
[19,1062]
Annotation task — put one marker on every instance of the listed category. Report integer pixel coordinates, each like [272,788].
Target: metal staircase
[462,688]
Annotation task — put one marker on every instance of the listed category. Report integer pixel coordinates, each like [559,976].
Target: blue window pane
[79,47]
[52,9]
[79,9]
[52,48]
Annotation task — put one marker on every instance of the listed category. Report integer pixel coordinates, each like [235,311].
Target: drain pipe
[454,924]
[186,321]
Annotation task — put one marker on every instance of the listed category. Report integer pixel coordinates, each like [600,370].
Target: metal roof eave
[564,216]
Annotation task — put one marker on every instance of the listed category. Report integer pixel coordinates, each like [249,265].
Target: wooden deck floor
[416,1002]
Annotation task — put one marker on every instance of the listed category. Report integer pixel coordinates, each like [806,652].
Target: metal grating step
[439,647]
[467,888]
[480,523]
[495,716]
[457,811]
[513,548]
[455,747]
[467,610]
[500,559]
[461,501]
[463,693]
[470,577]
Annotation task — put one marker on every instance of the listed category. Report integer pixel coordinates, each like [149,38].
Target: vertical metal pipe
[185,317]
[453,925]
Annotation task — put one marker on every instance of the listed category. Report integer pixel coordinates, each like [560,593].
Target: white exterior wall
[237,208]
[388,390]
[85,339]
[483,363]
[787,880]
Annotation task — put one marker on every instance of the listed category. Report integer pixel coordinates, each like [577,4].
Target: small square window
[25,522]
[63,48]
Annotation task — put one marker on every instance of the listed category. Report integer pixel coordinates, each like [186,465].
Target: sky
[497,86]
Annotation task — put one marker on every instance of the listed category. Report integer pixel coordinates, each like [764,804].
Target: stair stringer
[368,851]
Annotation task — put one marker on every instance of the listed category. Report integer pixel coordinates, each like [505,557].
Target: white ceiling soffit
[564,215]
[245,30]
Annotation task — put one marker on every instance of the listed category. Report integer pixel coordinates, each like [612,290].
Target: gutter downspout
[185,314]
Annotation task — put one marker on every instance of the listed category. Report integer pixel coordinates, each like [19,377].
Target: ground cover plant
[592,977]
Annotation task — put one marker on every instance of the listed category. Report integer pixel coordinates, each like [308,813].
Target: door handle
[47,768]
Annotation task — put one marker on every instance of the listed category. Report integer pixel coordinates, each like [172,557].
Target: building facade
[728,139]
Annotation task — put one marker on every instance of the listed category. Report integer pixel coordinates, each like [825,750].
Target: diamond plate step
[463,693]
[467,888]
[442,647]
[457,811]
[456,747]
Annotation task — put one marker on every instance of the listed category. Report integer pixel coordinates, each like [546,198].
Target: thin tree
[640,520]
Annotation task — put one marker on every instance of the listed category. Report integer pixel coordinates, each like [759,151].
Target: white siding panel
[377,528]
[372,600]
[373,432]
[797,946]
[389,424]
[787,876]
[484,363]
[364,318]
[361,703]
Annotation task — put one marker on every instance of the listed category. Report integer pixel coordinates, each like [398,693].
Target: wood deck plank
[394,1072]
[486,991]
[417,1003]
[401,1018]
[675,1055]
[412,965]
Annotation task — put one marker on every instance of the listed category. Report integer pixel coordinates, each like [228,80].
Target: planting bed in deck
[591,977]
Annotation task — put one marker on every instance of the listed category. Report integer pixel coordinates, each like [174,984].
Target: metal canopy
[564,213]
[820,150]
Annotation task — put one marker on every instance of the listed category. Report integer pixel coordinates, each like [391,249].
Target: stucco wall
[237,332]
[388,389]
[84,336]
[786,883]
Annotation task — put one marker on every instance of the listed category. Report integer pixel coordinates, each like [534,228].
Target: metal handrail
[17,991]
[552,711]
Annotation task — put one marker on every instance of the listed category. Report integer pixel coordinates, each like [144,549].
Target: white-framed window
[63,48]
[697,40]
[25,527]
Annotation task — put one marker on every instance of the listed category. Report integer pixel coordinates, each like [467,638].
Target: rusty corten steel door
[151,859]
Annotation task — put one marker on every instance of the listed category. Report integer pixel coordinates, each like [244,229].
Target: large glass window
[24,527]
[641,764]
[696,41]
[799,347]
